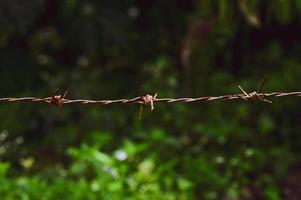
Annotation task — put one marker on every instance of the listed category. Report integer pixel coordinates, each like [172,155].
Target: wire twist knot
[256,95]
[57,99]
[148,100]
[253,95]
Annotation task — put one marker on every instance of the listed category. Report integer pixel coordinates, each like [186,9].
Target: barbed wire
[58,100]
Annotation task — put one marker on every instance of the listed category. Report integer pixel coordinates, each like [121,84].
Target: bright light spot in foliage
[219,160]
[95,186]
[19,140]
[249,152]
[146,167]
[3,135]
[120,155]
[27,162]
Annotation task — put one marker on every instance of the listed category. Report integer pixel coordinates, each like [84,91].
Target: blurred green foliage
[108,49]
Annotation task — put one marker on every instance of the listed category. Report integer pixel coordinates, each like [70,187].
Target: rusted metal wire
[59,100]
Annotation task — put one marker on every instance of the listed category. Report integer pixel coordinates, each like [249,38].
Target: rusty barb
[58,100]
[256,94]
[148,100]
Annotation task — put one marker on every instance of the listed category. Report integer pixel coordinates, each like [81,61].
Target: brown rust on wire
[142,100]
[59,100]
[146,100]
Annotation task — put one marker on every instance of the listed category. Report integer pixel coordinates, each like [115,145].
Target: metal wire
[59,101]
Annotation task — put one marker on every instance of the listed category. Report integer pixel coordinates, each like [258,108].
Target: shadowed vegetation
[107,50]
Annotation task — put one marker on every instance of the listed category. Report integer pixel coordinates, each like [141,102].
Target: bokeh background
[236,150]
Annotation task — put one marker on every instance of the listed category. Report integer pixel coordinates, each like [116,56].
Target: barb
[57,100]
[255,95]
[147,100]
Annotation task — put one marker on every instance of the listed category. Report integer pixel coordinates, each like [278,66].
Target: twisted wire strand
[57,100]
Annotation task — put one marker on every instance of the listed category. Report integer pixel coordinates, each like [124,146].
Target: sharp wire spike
[262,83]
[56,91]
[140,112]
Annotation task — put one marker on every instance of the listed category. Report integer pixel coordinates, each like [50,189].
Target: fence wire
[60,100]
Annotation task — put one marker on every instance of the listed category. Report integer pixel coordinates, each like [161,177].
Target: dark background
[104,49]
